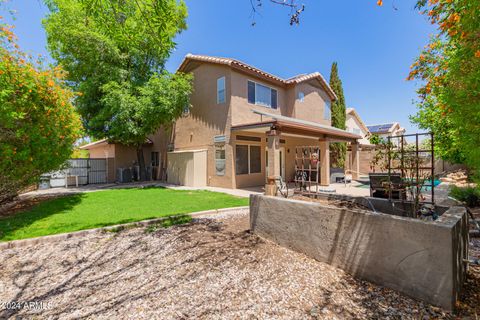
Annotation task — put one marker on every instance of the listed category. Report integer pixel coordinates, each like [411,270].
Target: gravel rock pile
[207,269]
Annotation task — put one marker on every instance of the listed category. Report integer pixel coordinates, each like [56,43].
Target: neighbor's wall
[102,151]
[353,123]
[421,259]
[365,160]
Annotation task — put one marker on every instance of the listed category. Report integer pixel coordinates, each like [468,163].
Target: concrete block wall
[421,259]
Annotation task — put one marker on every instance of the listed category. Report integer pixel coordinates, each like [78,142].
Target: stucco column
[324,162]
[355,161]
[273,148]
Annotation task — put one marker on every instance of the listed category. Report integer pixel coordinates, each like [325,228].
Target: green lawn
[103,208]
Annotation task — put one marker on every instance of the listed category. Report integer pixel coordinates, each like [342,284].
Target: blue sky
[374,46]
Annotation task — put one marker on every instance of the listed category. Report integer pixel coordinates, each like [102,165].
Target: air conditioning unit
[124,175]
[148,173]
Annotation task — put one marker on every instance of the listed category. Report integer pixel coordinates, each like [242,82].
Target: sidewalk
[101,187]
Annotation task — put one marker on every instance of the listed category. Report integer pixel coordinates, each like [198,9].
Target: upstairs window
[221,90]
[262,95]
[301,96]
[327,112]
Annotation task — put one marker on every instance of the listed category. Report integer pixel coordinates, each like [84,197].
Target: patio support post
[273,147]
[324,162]
[355,161]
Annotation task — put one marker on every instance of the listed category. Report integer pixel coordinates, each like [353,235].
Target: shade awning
[299,127]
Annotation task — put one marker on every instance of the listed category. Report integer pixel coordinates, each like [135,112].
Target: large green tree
[338,150]
[115,54]
[449,73]
[38,123]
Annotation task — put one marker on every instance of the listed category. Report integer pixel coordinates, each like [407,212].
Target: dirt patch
[25,203]
[207,269]
[333,202]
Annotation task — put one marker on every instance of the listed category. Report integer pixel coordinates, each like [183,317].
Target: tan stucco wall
[242,110]
[313,106]
[311,109]
[206,120]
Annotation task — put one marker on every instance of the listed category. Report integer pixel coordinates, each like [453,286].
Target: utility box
[187,168]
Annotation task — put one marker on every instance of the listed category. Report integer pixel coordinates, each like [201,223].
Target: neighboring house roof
[248,68]
[102,142]
[313,127]
[383,128]
[94,144]
[354,113]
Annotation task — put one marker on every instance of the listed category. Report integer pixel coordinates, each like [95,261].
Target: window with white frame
[247,159]
[327,113]
[221,90]
[301,96]
[220,160]
[262,95]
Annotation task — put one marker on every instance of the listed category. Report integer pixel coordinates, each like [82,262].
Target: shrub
[469,195]
[38,123]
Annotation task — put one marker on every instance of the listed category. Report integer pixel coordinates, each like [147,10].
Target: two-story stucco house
[243,127]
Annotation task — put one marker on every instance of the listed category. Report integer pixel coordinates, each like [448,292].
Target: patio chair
[381,186]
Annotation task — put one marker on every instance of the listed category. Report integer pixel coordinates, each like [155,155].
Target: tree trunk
[141,163]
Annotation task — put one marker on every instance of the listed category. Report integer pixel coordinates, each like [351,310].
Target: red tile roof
[246,67]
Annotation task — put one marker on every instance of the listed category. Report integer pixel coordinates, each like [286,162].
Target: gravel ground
[207,269]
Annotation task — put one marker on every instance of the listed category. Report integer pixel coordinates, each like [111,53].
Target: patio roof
[300,127]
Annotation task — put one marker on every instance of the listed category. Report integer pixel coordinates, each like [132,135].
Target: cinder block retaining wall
[421,259]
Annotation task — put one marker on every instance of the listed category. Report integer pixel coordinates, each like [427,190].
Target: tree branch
[295,9]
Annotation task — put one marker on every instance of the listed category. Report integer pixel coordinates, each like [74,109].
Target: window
[221,90]
[219,160]
[155,159]
[262,95]
[301,96]
[327,111]
[248,159]
[241,159]
[356,131]
[255,159]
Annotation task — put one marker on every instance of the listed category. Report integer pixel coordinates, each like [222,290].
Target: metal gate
[89,171]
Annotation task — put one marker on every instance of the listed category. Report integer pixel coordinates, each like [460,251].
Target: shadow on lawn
[9,225]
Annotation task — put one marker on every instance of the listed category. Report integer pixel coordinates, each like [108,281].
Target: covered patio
[284,137]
